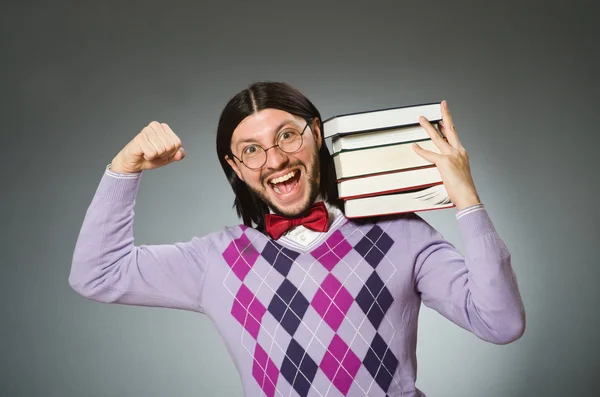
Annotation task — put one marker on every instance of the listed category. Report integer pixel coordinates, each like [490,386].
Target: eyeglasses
[288,141]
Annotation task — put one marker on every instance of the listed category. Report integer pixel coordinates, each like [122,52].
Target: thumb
[179,155]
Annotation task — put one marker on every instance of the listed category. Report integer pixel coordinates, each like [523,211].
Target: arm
[107,267]
[479,291]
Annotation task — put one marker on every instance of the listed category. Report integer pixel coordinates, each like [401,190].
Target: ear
[234,166]
[316,130]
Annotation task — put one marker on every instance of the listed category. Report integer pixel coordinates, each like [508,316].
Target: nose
[275,158]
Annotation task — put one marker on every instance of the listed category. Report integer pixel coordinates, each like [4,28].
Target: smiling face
[288,182]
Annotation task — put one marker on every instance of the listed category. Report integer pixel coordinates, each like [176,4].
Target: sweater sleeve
[478,291]
[108,267]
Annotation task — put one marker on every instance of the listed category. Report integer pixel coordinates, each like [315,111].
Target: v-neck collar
[288,242]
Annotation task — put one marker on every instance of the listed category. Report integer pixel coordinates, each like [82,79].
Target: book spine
[331,125]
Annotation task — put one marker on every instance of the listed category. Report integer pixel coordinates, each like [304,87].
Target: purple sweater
[335,318]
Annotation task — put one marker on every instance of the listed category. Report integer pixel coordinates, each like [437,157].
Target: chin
[292,210]
[296,198]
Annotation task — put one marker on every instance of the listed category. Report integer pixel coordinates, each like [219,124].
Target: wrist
[467,202]
[117,166]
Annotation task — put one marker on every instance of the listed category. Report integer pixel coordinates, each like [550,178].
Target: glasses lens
[254,156]
[289,141]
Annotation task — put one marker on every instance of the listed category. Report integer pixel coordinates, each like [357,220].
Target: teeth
[283,178]
[276,189]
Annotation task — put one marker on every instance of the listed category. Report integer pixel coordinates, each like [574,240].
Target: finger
[448,126]
[174,143]
[428,155]
[149,150]
[179,155]
[434,135]
[173,138]
[446,116]
[440,128]
[166,138]
[156,137]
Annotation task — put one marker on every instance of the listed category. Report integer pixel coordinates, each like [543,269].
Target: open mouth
[284,185]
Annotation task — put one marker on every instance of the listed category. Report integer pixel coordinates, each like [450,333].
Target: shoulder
[239,235]
[392,219]
[231,232]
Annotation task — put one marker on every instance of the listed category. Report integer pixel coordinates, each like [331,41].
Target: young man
[308,302]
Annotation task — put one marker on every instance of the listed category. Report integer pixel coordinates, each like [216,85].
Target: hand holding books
[452,161]
[378,171]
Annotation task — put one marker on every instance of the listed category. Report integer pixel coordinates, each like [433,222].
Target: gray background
[80,79]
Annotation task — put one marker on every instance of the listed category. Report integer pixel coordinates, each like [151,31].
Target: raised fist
[155,146]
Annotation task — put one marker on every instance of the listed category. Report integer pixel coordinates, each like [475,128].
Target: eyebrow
[279,127]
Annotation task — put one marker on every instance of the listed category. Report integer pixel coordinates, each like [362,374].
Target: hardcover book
[380,119]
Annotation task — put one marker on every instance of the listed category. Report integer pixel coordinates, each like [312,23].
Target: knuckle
[455,155]
[151,153]
[146,132]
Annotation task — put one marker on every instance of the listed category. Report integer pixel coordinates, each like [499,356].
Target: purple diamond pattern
[264,371]
[248,310]
[374,245]
[332,301]
[374,299]
[288,306]
[332,250]
[340,364]
[298,368]
[381,362]
[279,257]
[240,255]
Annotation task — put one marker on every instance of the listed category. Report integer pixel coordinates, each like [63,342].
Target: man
[308,302]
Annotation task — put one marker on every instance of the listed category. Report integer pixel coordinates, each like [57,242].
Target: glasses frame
[269,148]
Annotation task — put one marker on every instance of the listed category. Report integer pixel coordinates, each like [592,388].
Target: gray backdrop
[80,79]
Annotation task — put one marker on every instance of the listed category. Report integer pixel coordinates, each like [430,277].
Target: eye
[287,135]
[250,150]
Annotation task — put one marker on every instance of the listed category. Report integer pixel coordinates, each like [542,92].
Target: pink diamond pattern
[340,364]
[332,250]
[332,301]
[264,371]
[240,255]
[248,310]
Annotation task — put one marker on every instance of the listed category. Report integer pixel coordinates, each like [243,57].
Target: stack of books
[378,170]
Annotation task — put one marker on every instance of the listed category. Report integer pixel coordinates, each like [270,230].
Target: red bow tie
[316,220]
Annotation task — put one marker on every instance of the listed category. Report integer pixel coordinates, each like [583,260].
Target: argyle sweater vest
[335,318]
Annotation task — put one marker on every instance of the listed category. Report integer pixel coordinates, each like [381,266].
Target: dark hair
[259,96]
